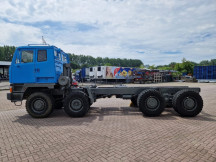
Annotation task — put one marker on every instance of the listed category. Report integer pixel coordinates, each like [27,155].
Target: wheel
[187,103]
[134,101]
[76,104]
[39,105]
[151,103]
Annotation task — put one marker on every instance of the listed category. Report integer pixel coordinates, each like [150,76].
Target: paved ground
[4,85]
[111,131]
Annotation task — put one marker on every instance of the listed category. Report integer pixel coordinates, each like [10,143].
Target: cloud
[18,35]
[155,31]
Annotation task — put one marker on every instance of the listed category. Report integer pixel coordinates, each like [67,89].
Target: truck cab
[37,68]
[37,64]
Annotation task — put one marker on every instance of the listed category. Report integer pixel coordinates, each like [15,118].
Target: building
[4,70]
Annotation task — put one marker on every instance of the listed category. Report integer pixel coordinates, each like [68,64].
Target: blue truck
[82,75]
[41,75]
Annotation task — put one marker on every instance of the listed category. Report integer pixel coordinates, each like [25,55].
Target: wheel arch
[31,90]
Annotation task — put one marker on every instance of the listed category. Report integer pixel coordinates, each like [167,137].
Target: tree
[142,66]
[99,61]
[152,67]
[172,65]
[74,65]
[194,63]
[107,64]
[184,67]
[204,63]
[184,60]
[6,53]
[213,62]
[164,68]
[178,67]
[188,67]
[89,61]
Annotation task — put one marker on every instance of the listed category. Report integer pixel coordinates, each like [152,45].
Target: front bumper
[14,97]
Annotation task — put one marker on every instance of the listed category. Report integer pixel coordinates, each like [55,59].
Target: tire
[39,105]
[134,101]
[76,104]
[151,102]
[187,103]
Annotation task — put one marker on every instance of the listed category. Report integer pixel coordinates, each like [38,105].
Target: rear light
[11,89]
[75,83]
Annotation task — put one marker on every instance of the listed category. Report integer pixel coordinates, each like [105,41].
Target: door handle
[37,70]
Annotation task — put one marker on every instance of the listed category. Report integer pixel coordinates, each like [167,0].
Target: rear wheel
[187,103]
[151,103]
[39,105]
[76,104]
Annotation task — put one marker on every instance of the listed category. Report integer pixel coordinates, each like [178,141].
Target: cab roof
[29,46]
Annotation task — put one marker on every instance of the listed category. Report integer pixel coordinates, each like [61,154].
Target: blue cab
[37,64]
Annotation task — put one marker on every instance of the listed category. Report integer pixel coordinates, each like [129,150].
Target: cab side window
[42,55]
[57,55]
[64,58]
[27,56]
[17,58]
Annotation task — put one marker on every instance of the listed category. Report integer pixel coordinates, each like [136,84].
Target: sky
[155,31]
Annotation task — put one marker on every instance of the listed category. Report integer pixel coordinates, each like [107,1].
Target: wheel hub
[189,103]
[39,105]
[76,104]
[152,102]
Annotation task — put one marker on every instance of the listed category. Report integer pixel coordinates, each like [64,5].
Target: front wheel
[39,105]
[76,104]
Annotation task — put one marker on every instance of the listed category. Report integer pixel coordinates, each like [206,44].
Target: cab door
[44,66]
[23,69]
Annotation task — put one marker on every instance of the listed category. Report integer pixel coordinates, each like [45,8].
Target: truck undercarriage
[77,101]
